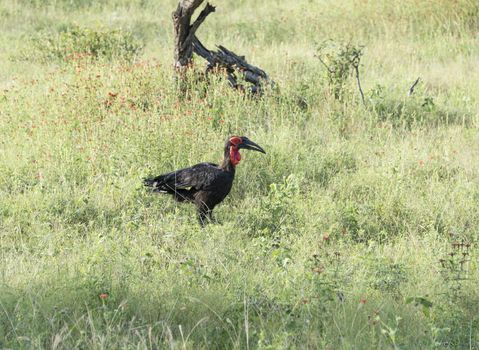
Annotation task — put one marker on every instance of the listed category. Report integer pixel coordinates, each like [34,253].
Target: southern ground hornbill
[204,184]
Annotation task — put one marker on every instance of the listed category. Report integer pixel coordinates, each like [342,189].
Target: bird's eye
[235,140]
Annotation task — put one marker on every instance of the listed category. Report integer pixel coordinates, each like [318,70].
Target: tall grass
[333,240]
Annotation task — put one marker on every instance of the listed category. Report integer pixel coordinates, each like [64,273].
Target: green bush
[276,214]
[340,61]
[388,276]
[74,43]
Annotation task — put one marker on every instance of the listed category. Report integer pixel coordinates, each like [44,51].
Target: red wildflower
[362,301]
[103,296]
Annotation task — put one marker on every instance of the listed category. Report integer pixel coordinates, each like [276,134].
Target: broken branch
[411,89]
[231,62]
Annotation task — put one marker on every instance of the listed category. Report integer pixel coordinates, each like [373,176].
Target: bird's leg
[203,215]
[210,216]
[202,218]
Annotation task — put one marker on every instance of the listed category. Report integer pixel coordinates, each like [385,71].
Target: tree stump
[185,31]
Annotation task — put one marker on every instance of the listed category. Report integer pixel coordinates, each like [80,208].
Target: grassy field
[357,230]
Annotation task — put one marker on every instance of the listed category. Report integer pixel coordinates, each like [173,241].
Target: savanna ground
[357,230]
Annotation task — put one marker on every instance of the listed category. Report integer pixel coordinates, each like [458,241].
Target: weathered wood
[186,43]
[183,30]
[231,63]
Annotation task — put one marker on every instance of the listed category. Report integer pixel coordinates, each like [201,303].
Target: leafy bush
[276,213]
[75,42]
[325,272]
[388,276]
[340,61]
[73,4]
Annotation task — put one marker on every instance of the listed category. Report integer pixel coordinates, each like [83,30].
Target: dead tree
[186,43]
[185,31]
[232,63]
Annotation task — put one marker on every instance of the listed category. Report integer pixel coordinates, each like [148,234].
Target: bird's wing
[200,177]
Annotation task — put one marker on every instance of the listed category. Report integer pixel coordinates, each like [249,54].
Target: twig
[356,68]
[411,89]
[324,64]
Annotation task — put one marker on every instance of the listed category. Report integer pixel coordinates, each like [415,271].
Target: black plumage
[204,184]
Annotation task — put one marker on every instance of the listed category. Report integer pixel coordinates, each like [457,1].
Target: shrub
[340,61]
[388,276]
[75,42]
[276,213]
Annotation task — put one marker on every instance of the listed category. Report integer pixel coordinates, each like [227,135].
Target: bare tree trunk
[185,31]
[186,43]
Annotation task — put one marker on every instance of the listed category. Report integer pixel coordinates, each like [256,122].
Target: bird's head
[235,143]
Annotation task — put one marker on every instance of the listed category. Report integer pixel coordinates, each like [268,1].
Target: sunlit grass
[331,240]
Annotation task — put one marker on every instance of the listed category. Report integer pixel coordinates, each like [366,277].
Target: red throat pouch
[235,156]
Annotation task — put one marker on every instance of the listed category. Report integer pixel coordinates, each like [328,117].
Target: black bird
[204,184]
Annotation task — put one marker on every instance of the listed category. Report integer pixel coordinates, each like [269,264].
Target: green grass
[333,240]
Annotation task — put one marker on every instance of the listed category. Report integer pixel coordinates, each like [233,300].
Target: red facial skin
[235,156]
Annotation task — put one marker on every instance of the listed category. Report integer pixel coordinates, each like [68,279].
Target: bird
[204,184]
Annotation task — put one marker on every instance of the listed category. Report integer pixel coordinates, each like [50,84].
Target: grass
[344,236]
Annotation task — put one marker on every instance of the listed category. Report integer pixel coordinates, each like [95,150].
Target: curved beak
[248,144]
